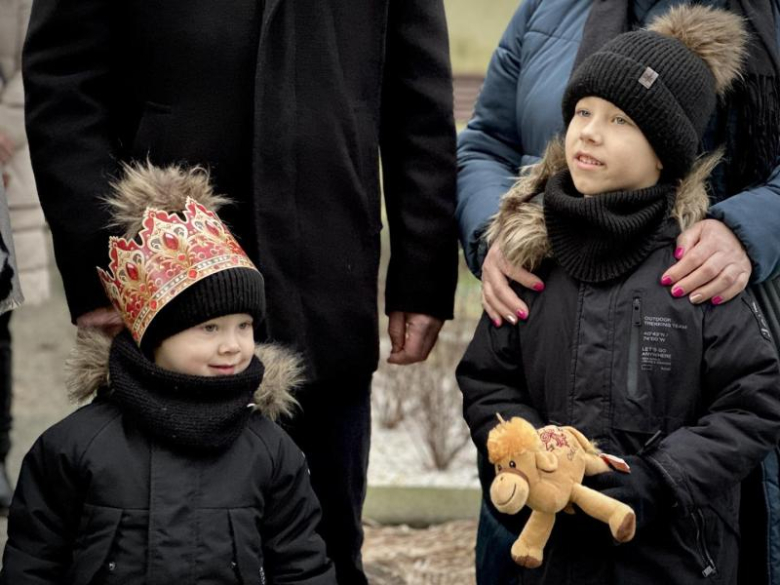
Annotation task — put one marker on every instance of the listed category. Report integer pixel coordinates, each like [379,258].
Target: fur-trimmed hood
[519,227]
[86,370]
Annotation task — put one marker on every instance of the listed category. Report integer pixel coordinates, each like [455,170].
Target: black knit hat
[666,78]
[237,290]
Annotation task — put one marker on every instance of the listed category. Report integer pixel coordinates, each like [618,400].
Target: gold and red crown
[169,255]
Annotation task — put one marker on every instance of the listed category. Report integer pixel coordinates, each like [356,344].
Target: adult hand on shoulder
[712,264]
[412,336]
[498,299]
[6,148]
[105,318]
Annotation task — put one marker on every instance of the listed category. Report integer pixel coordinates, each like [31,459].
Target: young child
[687,394]
[175,473]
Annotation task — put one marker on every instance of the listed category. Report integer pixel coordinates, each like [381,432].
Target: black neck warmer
[599,238]
[198,413]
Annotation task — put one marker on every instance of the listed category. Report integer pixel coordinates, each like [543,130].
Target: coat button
[233,565]
[112,566]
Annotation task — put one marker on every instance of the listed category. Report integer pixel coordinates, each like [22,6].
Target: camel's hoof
[526,556]
[627,528]
[528,562]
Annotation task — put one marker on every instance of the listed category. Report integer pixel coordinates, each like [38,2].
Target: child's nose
[591,131]
[229,343]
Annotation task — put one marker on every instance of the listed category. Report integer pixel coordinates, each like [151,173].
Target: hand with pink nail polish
[711,264]
[498,299]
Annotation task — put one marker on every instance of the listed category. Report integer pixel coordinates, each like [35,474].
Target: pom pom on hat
[718,38]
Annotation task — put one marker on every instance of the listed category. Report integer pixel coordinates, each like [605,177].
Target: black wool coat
[99,502]
[694,388]
[288,102]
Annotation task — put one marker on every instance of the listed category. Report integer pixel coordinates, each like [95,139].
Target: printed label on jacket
[655,337]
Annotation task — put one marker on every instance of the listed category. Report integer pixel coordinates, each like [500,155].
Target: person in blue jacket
[517,113]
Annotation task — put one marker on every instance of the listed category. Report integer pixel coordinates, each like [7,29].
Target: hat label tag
[648,78]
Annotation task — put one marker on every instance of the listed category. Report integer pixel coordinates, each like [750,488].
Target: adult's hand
[412,336]
[6,148]
[499,300]
[105,318]
[712,264]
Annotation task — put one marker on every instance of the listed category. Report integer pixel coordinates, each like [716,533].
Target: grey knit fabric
[664,87]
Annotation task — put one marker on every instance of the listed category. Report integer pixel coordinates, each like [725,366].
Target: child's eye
[582,112]
[245,325]
[209,327]
[620,120]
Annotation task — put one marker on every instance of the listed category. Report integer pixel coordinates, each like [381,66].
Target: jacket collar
[87,371]
[520,230]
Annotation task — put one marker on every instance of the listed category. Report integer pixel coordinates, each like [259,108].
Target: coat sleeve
[417,142]
[69,80]
[753,216]
[294,553]
[741,394]
[492,381]
[42,519]
[489,149]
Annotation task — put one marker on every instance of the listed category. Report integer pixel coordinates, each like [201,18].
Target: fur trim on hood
[86,370]
[166,189]
[519,228]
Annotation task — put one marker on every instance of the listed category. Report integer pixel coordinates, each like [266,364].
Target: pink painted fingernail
[497,322]
[677,292]
[678,253]
[539,287]
[522,314]
[717,300]
[666,280]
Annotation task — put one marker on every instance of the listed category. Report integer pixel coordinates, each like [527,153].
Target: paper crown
[169,255]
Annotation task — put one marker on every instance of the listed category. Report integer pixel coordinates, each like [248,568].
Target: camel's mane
[513,437]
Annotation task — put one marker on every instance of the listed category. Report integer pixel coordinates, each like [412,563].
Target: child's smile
[585,161]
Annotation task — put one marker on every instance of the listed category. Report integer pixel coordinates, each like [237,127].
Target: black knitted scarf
[599,238]
[198,413]
[751,119]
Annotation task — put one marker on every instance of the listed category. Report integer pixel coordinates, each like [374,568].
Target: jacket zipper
[633,348]
[709,568]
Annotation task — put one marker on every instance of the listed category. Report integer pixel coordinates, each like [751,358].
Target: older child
[175,472]
[687,394]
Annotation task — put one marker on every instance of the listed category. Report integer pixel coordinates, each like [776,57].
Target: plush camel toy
[544,469]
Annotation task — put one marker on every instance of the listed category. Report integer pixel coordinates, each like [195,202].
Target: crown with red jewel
[172,252]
